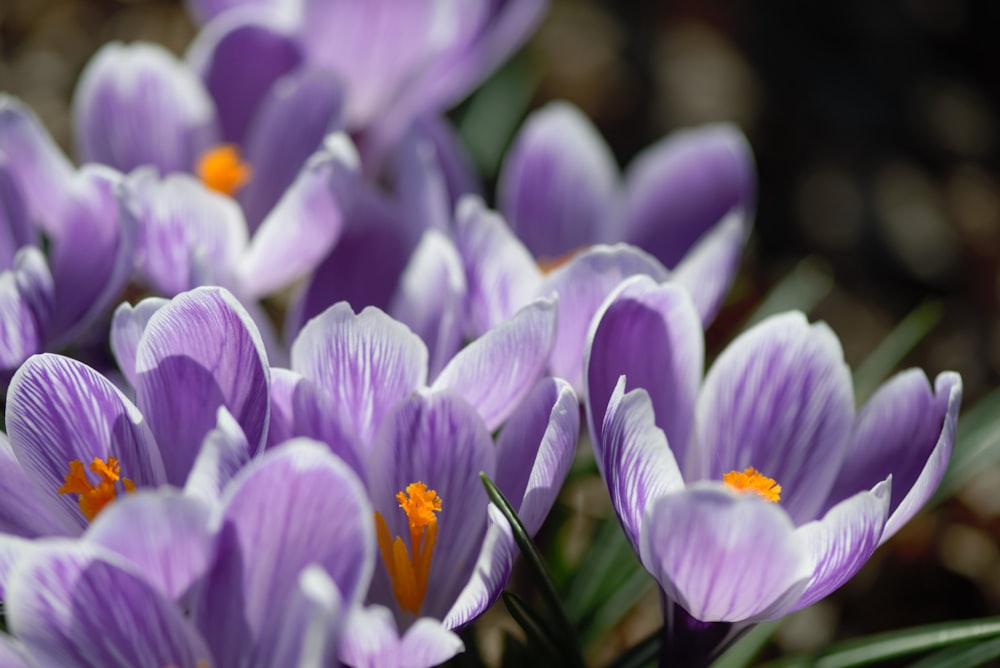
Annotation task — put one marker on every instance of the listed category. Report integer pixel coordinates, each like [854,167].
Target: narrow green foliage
[802,289]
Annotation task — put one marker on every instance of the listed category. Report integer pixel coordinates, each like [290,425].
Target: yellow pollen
[93,498]
[221,169]
[549,264]
[754,482]
[409,570]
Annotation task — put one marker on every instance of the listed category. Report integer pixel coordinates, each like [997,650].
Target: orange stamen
[754,482]
[93,498]
[221,169]
[549,264]
[410,569]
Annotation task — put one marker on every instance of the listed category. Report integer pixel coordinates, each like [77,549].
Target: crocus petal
[501,274]
[27,510]
[20,332]
[558,183]
[289,126]
[497,370]
[164,535]
[283,385]
[778,399]
[74,605]
[240,61]
[315,511]
[722,556]
[138,105]
[634,458]
[40,169]
[203,11]
[306,222]
[650,333]
[92,258]
[842,541]
[60,410]
[439,440]
[127,326]
[420,183]
[16,227]
[431,297]
[371,639]
[535,450]
[450,156]
[582,285]
[492,572]
[12,654]
[35,284]
[199,352]
[309,630]
[365,362]
[224,452]
[708,269]
[683,185]
[318,416]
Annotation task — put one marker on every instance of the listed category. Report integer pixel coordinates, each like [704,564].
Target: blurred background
[875,127]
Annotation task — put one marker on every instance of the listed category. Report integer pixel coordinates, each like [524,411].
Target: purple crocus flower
[757,490]
[266,576]
[76,442]
[359,383]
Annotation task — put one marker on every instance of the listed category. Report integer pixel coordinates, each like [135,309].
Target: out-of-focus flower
[265,576]
[358,383]
[396,62]
[758,490]
[76,442]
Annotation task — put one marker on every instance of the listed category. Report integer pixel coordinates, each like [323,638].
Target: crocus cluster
[297,481]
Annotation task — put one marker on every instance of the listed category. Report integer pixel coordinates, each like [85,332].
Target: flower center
[221,169]
[753,481]
[93,498]
[409,570]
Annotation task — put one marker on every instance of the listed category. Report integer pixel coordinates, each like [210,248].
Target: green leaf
[864,651]
[618,604]
[644,653]
[801,289]
[535,628]
[748,647]
[968,655]
[977,445]
[897,345]
[565,636]
[606,566]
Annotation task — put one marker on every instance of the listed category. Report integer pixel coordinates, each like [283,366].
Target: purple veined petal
[535,450]
[723,556]
[374,47]
[778,399]
[366,362]
[430,299]
[419,181]
[20,332]
[92,258]
[223,453]
[16,227]
[497,370]
[319,417]
[42,173]
[438,440]
[282,427]
[365,265]
[34,281]
[289,126]
[204,11]
[680,187]
[315,512]
[181,222]
[635,459]
[60,410]
[501,274]
[492,572]
[75,604]
[138,105]
[559,183]
[163,534]
[708,269]
[309,630]
[842,541]
[199,352]
[947,400]
[12,654]
[306,222]
[12,549]
[127,326]
[371,639]
[582,285]
[27,510]
[651,333]
[451,156]
[240,58]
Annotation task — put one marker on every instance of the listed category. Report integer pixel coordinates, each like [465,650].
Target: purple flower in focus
[757,490]
[265,576]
